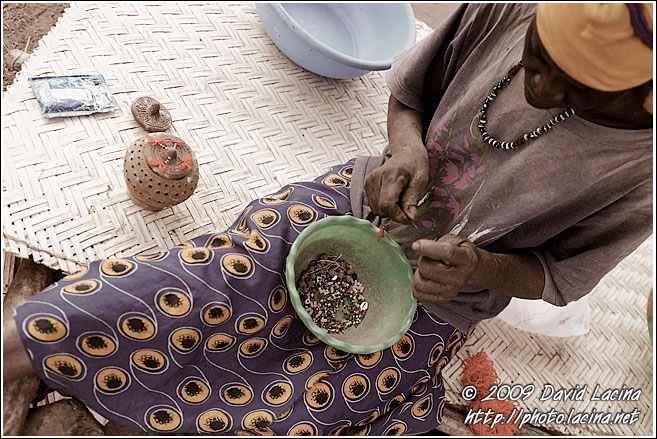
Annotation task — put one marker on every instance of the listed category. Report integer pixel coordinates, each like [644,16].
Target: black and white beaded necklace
[525,137]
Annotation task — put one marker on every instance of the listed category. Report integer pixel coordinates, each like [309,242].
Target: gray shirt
[578,197]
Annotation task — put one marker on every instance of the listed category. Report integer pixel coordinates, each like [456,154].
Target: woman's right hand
[394,189]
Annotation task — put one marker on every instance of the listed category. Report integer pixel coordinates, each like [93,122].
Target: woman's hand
[394,189]
[445,267]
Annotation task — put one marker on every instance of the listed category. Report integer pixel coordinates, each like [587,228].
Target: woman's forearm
[516,274]
[404,127]
[395,188]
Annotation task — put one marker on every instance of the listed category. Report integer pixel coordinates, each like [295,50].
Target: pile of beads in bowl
[331,293]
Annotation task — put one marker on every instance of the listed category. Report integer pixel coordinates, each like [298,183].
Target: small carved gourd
[160,171]
[150,114]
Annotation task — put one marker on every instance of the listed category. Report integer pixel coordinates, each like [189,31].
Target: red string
[381,233]
[496,406]
[150,139]
[186,163]
[156,139]
[156,162]
[479,371]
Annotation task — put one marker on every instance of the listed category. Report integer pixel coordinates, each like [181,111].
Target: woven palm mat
[254,119]
[617,351]
[256,122]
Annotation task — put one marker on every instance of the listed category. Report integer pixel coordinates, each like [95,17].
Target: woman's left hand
[445,267]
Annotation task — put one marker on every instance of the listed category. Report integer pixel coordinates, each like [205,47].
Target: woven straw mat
[616,351]
[254,119]
[256,122]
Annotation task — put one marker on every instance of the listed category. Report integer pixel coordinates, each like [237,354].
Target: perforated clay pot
[160,171]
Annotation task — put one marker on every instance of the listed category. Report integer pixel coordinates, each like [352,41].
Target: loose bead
[336,303]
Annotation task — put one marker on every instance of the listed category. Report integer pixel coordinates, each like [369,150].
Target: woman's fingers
[451,250]
[426,290]
[445,267]
[392,187]
[384,187]
[394,193]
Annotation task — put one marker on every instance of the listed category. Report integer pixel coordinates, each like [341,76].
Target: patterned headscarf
[605,46]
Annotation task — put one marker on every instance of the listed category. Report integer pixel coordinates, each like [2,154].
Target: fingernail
[416,246]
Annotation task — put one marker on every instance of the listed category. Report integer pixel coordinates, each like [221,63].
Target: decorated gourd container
[160,171]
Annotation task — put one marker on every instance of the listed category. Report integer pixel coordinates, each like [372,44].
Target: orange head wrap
[596,44]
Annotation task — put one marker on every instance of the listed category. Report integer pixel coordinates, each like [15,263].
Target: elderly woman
[519,165]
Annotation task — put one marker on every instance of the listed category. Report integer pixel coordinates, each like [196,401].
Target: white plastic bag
[541,317]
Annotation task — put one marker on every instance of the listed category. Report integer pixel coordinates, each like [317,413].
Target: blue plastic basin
[339,40]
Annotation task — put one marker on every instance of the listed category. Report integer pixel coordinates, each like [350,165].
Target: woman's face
[547,86]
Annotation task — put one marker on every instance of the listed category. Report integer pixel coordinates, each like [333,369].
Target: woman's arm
[394,189]
[512,274]
[404,127]
[451,263]
[446,266]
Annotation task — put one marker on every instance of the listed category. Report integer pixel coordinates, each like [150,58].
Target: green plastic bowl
[382,268]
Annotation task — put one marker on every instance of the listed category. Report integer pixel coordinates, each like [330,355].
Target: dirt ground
[21,21]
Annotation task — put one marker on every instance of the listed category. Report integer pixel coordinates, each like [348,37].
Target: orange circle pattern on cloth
[202,337]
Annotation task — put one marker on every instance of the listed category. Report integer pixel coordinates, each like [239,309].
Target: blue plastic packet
[75,95]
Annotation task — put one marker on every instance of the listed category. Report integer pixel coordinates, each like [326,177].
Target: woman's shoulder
[504,16]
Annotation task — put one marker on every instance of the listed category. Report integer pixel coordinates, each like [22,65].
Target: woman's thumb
[410,199]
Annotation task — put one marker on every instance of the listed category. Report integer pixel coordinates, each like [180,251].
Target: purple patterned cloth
[203,339]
